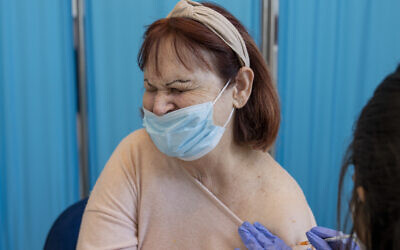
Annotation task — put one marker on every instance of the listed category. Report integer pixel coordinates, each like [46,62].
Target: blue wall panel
[38,147]
[332,55]
[115,83]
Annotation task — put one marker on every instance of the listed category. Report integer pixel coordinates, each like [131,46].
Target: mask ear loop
[229,118]
[216,99]
[222,91]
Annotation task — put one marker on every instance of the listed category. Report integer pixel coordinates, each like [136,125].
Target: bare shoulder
[286,211]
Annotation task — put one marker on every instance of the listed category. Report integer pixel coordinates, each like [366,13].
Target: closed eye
[176,86]
[148,86]
[180,86]
[175,90]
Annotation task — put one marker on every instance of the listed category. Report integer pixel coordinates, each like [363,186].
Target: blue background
[332,55]
[38,142]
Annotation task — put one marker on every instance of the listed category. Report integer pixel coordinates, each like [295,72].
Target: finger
[264,231]
[343,244]
[249,240]
[262,240]
[317,241]
[257,234]
[324,232]
[337,245]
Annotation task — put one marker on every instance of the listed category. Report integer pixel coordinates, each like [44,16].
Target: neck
[223,165]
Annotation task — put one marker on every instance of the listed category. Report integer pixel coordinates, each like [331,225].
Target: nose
[163,103]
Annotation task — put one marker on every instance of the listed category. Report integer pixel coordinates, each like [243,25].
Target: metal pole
[265,32]
[269,46]
[82,123]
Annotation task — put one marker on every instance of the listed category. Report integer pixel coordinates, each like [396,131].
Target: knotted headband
[217,23]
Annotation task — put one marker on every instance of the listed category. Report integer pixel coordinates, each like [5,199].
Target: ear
[361,193]
[243,86]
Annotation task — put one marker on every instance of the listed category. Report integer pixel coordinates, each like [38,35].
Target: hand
[257,237]
[317,235]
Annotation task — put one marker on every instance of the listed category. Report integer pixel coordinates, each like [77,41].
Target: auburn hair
[257,123]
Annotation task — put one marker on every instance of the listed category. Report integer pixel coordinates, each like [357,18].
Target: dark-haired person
[200,166]
[375,154]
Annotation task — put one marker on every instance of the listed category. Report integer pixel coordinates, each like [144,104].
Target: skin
[361,234]
[248,181]
[361,193]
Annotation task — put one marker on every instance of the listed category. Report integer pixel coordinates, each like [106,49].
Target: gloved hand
[257,237]
[317,235]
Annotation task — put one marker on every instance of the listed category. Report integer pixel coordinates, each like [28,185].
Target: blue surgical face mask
[188,133]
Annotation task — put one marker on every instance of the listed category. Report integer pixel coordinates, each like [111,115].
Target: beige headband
[216,22]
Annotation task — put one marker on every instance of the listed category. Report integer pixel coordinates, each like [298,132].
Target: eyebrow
[169,83]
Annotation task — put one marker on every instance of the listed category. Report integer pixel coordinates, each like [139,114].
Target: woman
[200,166]
[375,155]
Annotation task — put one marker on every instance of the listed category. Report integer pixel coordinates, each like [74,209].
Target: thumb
[317,241]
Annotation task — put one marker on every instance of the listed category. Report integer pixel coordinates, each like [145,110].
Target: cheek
[198,96]
[185,100]
[222,109]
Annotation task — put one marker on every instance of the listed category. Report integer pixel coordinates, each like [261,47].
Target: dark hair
[375,154]
[257,123]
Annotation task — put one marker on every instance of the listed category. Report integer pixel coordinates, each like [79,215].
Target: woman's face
[177,87]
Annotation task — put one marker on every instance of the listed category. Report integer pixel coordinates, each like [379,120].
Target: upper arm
[293,218]
[295,224]
[284,210]
[109,220]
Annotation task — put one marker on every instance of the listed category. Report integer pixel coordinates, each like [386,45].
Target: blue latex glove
[317,235]
[257,237]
